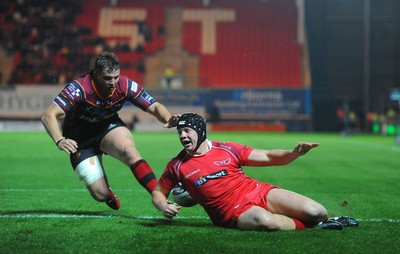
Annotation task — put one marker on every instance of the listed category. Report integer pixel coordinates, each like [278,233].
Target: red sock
[145,175]
[299,225]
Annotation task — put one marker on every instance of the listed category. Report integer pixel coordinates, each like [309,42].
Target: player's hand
[173,121]
[68,145]
[303,147]
[171,210]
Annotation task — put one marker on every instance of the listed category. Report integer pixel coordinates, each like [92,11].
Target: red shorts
[257,197]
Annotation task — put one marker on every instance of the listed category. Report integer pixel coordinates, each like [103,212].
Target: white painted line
[380,220]
[95,216]
[65,190]
[43,190]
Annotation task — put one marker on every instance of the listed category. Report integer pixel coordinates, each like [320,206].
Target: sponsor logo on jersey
[60,100]
[134,86]
[147,97]
[90,119]
[223,162]
[202,180]
[192,173]
[112,125]
[76,93]
[72,92]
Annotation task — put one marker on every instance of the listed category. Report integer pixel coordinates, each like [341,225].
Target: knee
[129,154]
[316,211]
[128,150]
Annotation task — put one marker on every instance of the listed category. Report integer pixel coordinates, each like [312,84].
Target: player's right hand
[173,121]
[68,145]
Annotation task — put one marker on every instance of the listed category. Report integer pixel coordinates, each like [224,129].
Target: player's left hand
[303,147]
[171,210]
[173,121]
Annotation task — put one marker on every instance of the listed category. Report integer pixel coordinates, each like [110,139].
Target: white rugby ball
[182,197]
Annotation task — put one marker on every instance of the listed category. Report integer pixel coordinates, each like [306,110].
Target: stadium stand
[247,45]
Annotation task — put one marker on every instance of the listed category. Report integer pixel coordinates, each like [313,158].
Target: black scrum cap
[195,122]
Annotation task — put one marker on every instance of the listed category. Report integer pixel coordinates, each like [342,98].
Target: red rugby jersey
[215,179]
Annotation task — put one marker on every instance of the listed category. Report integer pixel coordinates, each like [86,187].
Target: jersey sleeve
[169,179]
[69,96]
[241,152]
[138,96]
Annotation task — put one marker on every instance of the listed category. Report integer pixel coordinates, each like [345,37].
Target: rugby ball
[182,197]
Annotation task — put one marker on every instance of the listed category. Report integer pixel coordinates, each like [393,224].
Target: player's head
[106,72]
[107,62]
[195,122]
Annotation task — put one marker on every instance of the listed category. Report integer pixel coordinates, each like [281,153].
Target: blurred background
[262,65]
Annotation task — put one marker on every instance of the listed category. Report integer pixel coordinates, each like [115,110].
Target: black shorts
[89,138]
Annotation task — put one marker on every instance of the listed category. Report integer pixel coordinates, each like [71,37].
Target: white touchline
[94,216]
[73,216]
[380,220]
[62,190]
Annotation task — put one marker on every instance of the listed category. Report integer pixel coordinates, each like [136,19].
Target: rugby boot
[330,224]
[113,200]
[346,221]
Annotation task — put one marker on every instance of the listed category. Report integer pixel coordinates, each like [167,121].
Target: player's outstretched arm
[160,201]
[278,157]
[162,114]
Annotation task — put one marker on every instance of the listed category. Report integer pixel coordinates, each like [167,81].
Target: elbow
[43,118]
[152,108]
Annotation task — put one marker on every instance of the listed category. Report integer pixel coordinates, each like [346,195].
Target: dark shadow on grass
[176,223]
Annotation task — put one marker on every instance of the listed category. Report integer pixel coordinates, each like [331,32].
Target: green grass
[45,209]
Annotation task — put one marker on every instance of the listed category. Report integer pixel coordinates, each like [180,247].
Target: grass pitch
[45,209]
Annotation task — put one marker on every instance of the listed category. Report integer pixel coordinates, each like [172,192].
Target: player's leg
[119,143]
[89,169]
[294,205]
[257,218]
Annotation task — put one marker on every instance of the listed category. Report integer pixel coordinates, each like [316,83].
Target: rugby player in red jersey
[212,173]
[91,126]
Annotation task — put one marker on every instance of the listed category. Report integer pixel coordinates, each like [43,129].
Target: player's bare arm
[160,112]
[50,122]
[160,201]
[278,157]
